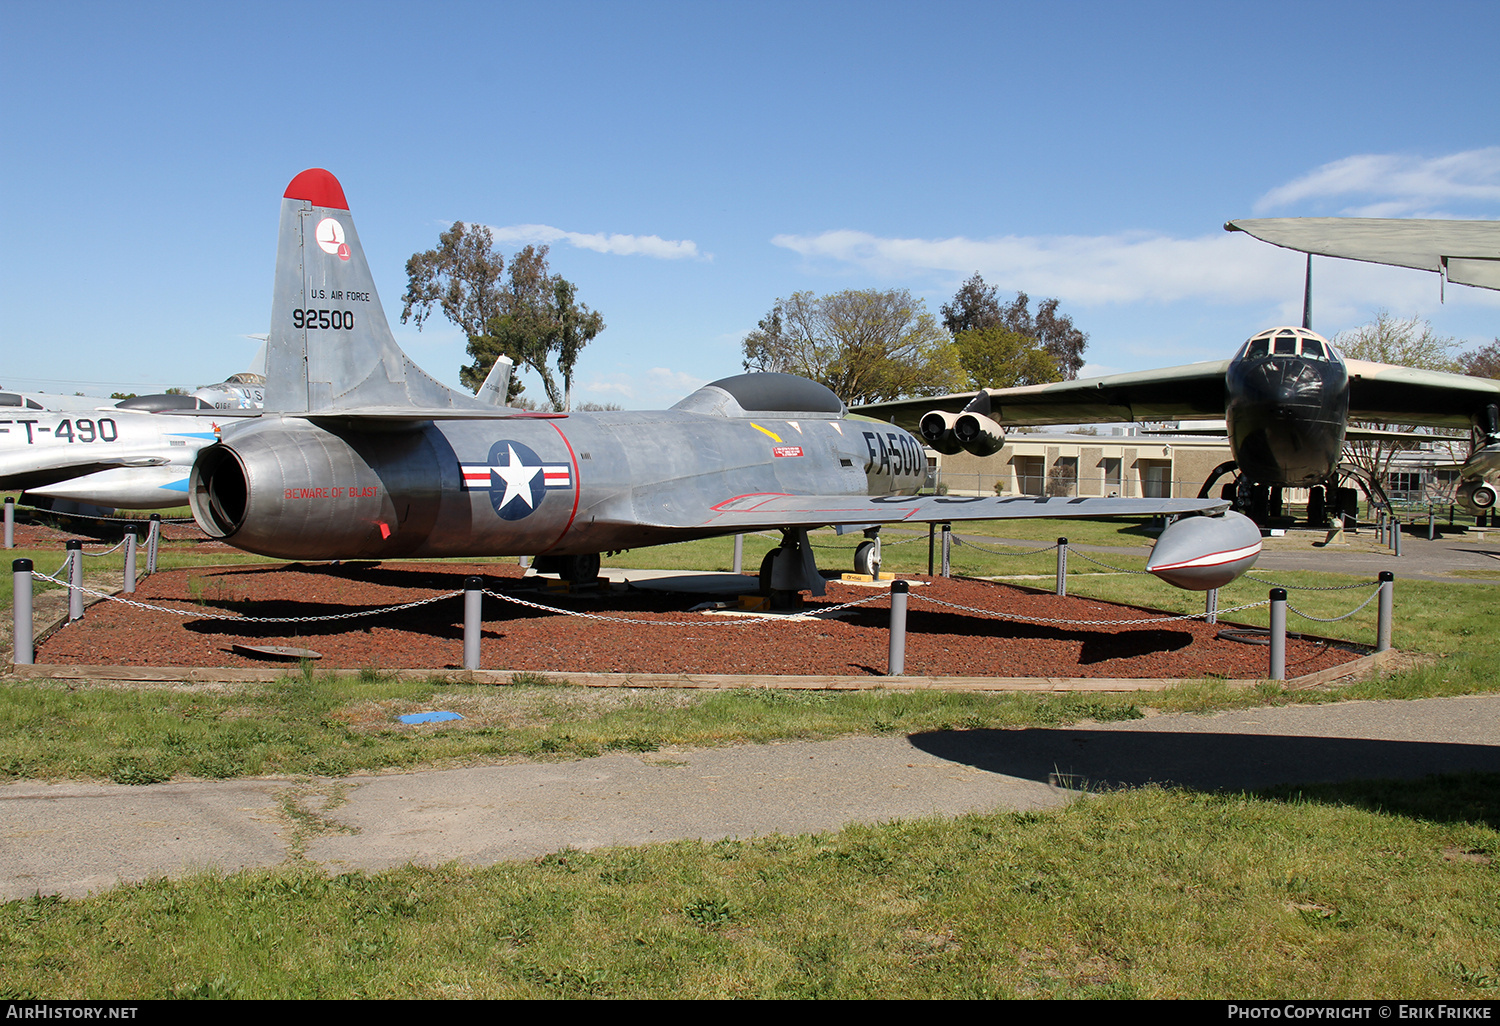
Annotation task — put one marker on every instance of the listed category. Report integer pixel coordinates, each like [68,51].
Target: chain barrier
[1117,569]
[106,551]
[1002,552]
[1335,619]
[1309,587]
[1097,623]
[118,520]
[201,614]
[747,619]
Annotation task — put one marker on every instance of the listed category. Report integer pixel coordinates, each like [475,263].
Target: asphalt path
[75,839]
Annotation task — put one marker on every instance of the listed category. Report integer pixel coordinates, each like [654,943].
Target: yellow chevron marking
[763,431]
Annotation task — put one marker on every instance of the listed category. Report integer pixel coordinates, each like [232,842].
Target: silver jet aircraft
[360,454]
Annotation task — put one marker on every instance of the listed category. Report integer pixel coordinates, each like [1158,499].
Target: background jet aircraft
[359,454]
[131,454]
[1287,395]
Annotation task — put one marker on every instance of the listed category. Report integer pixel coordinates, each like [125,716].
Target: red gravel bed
[940,642]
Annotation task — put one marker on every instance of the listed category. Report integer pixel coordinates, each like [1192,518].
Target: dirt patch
[640,632]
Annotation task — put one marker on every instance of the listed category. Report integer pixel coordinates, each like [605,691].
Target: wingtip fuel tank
[1203,552]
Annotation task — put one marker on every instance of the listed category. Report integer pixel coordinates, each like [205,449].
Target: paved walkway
[77,838]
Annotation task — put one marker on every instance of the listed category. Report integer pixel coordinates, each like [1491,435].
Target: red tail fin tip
[319,188]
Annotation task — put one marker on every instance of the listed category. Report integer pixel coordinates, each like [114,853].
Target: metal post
[1385,608]
[75,579]
[473,596]
[10,522]
[739,553]
[1396,538]
[525,561]
[931,544]
[24,654]
[947,549]
[898,629]
[1211,605]
[130,543]
[153,542]
[1431,524]
[1278,634]
[1062,567]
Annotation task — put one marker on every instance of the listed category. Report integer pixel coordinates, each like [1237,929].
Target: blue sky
[690,163]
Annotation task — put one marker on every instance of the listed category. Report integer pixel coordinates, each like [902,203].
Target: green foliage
[976,307]
[529,314]
[867,345]
[1000,358]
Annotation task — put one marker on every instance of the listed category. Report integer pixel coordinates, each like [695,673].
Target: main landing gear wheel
[867,559]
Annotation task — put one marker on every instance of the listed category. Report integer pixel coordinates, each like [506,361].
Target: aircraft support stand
[739,553]
[24,651]
[947,549]
[10,522]
[1278,634]
[931,540]
[1062,567]
[1384,612]
[75,579]
[896,666]
[1211,605]
[473,597]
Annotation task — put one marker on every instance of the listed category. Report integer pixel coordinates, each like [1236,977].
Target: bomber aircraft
[360,454]
[1287,395]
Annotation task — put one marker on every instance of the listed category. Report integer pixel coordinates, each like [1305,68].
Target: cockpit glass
[1286,345]
[1313,348]
[1257,347]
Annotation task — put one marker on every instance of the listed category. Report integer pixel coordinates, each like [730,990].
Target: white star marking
[517,478]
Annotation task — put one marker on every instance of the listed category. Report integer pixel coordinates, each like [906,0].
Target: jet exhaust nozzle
[978,434]
[937,432]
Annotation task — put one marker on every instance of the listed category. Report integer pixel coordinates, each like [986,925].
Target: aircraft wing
[1193,391]
[1466,252]
[1406,395]
[775,510]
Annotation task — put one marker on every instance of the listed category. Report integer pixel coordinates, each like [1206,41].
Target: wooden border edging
[1360,667]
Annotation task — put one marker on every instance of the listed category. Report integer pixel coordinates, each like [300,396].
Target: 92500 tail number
[339,319]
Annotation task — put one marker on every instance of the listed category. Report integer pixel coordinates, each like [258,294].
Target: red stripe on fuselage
[577,487]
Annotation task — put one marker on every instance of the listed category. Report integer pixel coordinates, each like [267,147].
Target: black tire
[865,561]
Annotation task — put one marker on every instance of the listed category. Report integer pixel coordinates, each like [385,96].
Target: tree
[1483,362]
[529,314]
[867,345]
[1408,342]
[976,305]
[997,357]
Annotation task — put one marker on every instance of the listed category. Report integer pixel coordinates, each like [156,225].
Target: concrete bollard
[25,651]
[947,549]
[1062,567]
[1278,634]
[897,662]
[153,542]
[1385,609]
[473,597]
[10,522]
[1211,605]
[130,543]
[739,553]
[75,579]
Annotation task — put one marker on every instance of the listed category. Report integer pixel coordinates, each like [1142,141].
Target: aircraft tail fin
[330,347]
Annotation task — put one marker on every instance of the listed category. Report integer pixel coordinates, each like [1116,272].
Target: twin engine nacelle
[951,433]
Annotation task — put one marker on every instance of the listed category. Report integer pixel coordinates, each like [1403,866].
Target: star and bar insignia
[516,478]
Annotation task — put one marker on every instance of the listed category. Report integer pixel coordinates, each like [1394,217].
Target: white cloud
[1395,185]
[659,386]
[1124,268]
[602,242]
